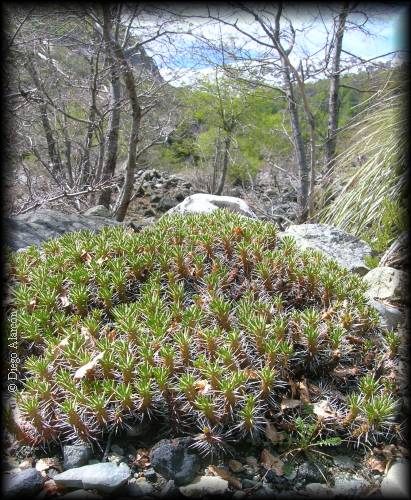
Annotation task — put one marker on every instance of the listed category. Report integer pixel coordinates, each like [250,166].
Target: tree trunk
[333,104]
[227,144]
[53,152]
[114,121]
[304,168]
[125,70]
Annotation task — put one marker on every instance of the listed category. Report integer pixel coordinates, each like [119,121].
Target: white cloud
[311,36]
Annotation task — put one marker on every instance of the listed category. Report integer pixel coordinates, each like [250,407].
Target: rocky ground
[136,466]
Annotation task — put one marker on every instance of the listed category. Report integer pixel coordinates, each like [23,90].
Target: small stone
[235,465]
[318,490]
[344,462]
[251,461]
[139,489]
[396,483]
[238,495]
[248,483]
[104,477]
[150,475]
[76,456]
[117,449]
[174,459]
[249,471]
[24,484]
[169,490]
[205,485]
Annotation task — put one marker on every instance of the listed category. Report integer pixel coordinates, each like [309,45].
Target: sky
[387,33]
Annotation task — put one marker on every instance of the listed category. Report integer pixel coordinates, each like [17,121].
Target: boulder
[104,477]
[98,211]
[174,459]
[76,456]
[205,485]
[390,317]
[387,283]
[34,227]
[206,203]
[347,250]
[396,483]
[24,484]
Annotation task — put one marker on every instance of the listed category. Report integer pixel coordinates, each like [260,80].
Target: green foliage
[206,319]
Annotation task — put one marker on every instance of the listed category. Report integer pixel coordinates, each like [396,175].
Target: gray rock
[309,473]
[150,475]
[117,449]
[104,477]
[24,484]
[207,203]
[396,483]
[173,459]
[318,490]
[169,490]
[98,211]
[346,249]
[205,485]
[387,283]
[34,227]
[238,495]
[390,317]
[138,489]
[248,483]
[347,484]
[76,456]
[167,203]
[344,462]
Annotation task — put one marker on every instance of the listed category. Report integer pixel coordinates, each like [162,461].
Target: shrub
[210,322]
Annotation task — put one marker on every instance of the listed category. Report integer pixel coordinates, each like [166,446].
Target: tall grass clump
[371,204]
[209,323]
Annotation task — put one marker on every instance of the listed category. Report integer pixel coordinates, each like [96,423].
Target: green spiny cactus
[210,322]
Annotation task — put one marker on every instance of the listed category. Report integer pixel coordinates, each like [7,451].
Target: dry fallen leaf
[272,434]
[323,409]
[65,302]
[345,372]
[377,465]
[270,462]
[142,458]
[50,487]
[286,404]
[46,463]
[85,369]
[60,346]
[304,394]
[203,386]
[224,474]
